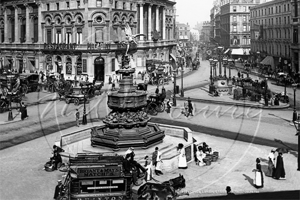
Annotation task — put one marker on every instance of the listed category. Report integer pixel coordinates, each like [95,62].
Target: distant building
[295,43]
[184,32]
[205,32]
[71,37]
[271,31]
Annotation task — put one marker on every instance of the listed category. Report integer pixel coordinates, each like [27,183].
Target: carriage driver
[129,155]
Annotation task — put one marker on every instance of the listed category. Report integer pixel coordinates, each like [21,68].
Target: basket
[207,161]
[214,158]
[215,153]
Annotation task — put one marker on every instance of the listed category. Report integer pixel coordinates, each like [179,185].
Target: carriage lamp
[294,113]
[297,126]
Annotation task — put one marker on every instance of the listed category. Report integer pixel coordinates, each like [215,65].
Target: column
[6,25]
[40,35]
[141,19]
[164,23]
[28,31]
[157,18]
[149,21]
[17,38]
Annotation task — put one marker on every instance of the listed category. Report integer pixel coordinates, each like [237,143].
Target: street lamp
[284,78]
[215,67]
[266,89]
[84,91]
[297,126]
[230,62]
[295,113]
[10,115]
[174,95]
[220,53]
[211,63]
[182,91]
[224,65]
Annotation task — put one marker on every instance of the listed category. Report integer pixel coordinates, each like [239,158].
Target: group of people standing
[275,171]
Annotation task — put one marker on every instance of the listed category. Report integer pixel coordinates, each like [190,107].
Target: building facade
[206,32]
[235,23]
[271,31]
[75,37]
[295,43]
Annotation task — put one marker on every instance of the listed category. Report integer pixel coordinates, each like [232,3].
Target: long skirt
[182,164]
[271,169]
[158,166]
[258,180]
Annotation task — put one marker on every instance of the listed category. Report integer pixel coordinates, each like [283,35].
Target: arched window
[68,65]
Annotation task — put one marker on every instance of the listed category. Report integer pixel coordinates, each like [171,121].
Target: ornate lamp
[295,113]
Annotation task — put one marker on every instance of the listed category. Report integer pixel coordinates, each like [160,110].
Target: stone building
[183,33]
[295,43]
[74,37]
[271,31]
[206,32]
[235,25]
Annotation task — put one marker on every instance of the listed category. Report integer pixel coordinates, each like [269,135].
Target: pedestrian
[143,74]
[148,167]
[239,74]
[77,115]
[169,106]
[156,160]
[186,108]
[182,164]
[190,107]
[113,86]
[58,189]
[271,164]
[259,179]
[229,193]
[23,110]
[279,170]
[157,90]
[109,80]
[200,155]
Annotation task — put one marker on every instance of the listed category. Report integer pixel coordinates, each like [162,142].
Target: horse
[164,190]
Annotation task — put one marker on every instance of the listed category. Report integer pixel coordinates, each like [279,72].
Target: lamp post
[224,65]
[211,63]
[84,91]
[182,91]
[220,52]
[266,88]
[295,113]
[230,63]
[10,115]
[297,126]
[215,67]
[174,95]
[285,89]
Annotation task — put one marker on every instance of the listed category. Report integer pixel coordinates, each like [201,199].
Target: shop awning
[173,57]
[240,51]
[269,60]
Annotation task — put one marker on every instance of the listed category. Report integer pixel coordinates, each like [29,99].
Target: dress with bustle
[182,164]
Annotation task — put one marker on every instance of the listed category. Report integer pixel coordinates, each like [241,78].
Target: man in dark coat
[23,110]
[58,189]
[279,171]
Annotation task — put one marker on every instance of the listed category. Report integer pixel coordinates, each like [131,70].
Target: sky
[193,11]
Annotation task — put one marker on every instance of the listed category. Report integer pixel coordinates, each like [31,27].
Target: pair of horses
[165,190]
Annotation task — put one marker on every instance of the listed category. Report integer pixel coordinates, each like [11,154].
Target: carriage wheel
[151,109]
[76,102]
[24,89]
[160,107]
[160,81]
[68,100]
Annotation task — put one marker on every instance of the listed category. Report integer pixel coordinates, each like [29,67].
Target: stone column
[17,38]
[157,18]
[6,26]
[149,21]
[40,35]
[28,21]
[141,19]
[164,23]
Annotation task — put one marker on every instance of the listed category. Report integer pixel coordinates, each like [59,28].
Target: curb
[27,136]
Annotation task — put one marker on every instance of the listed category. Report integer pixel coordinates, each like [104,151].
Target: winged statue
[130,38]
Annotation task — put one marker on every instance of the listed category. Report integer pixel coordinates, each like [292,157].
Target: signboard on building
[60,46]
[105,171]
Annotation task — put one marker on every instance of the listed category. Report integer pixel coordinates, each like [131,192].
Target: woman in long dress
[271,164]
[258,180]
[279,171]
[200,155]
[182,164]
[148,167]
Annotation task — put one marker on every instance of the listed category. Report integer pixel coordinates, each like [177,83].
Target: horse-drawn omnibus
[96,176]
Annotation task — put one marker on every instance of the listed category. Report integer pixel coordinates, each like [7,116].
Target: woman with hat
[182,164]
[258,180]
[271,164]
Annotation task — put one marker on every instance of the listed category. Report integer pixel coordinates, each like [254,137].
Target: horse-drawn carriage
[99,176]
[155,103]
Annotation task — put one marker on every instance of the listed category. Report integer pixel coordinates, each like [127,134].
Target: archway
[99,69]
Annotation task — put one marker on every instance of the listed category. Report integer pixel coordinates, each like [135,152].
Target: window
[234,8]
[99,3]
[234,29]
[116,4]
[113,63]
[234,18]
[35,29]
[244,18]
[1,35]
[284,8]
[244,28]
[288,7]
[79,36]
[48,6]
[57,6]
[124,6]
[131,6]
[68,5]
[58,36]
[78,4]
[49,36]
[244,8]
[69,36]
